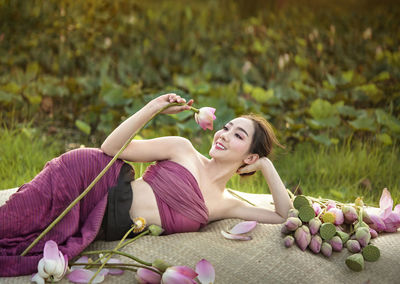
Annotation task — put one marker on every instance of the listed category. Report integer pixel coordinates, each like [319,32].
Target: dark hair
[264,138]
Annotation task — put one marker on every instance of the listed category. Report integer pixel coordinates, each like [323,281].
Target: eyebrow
[239,128]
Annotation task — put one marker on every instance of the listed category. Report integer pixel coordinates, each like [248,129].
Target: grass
[342,172]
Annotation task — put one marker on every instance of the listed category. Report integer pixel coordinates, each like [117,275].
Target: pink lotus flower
[205,117]
[147,276]
[376,223]
[317,208]
[205,271]
[178,274]
[339,217]
[52,266]
[389,217]
[331,204]
[236,233]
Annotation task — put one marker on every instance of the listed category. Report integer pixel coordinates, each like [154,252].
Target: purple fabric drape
[36,204]
[179,199]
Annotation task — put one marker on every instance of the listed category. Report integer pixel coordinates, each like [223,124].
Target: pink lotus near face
[205,117]
[52,266]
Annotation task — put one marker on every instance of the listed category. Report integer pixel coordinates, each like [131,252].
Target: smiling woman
[182,192]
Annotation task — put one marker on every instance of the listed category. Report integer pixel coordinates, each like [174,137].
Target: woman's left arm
[278,190]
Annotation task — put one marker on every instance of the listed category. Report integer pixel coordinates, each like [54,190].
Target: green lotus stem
[134,239]
[91,185]
[120,253]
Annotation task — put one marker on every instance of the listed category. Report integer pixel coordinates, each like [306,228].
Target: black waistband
[117,221]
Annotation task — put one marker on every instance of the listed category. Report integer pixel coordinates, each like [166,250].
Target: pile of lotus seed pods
[325,226]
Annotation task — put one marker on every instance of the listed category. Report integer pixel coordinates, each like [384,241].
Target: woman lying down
[181,192]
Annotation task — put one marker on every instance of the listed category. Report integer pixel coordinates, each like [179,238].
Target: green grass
[23,153]
[341,172]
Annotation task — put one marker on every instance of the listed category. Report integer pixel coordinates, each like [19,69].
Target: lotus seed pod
[374,234]
[353,246]
[371,253]
[343,236]
[326,249]
[288,241]
[303,237]
[292,223]
[317,208]
[300,200]
[293,212]
[314,225]
[160,265]
[284,230]
[327,231]
[306,213]
[355,262]
[363,236]
[336,243]
[328,217]
[350,214]
[155,230]
[315,244]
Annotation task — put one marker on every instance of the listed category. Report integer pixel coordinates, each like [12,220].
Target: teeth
[221,146]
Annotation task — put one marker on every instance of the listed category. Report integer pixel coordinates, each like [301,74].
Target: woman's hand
[164,100]
[256,166]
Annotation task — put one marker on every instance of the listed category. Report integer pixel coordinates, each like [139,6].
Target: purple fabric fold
[180,201]
[37,203]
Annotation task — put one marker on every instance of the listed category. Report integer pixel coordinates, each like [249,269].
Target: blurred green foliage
[324,71]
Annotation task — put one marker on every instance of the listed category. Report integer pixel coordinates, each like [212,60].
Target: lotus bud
[326,249]
[292,223]
[155,230]
[293,212]
[350,214]
[331,204]
[284,230]
[353,246]
[355,262]
[317,208]
[339,217]
[315,244]
[336,243]
[359,202]
[303,237]
[360,225]
[288,241]
[366,217]
[343,236]
[314,225]
[374,234]
[363,236]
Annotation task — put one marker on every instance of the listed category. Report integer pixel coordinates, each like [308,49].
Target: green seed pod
[306,213]
[343,235]
[160,265]
[355,262]
[327,231]
[155,230]
[300,200]
[371,253]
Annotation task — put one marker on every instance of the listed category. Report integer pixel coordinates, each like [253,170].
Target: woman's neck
[220,172]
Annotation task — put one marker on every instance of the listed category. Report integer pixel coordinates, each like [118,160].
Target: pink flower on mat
[205,271]
[238,231]
[205,117]
[147,276]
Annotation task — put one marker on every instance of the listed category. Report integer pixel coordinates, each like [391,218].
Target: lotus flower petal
[235,237]
[82,259]
[178,274]
[339,217]
[331,204]
[392,222]
[377,223]
[84,275]
[50,250]
[386,203]
[41,271]
[147,276]
[37,279]
[205,271]
[374,234]
[317,208]
[243,227]
[205,117]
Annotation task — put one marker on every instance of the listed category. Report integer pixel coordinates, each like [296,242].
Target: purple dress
[36,204]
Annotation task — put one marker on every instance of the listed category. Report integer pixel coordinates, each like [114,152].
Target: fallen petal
[115,271]
[235,237]
[36,278]
[243,227]
[205,271]
[84,276]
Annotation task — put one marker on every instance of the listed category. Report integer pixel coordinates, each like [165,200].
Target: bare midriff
[144,202]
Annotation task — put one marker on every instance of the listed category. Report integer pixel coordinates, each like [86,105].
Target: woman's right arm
[146,150]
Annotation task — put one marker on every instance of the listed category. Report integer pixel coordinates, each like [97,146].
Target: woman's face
[233,141]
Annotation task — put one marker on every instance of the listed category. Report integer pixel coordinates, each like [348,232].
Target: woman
[182,192]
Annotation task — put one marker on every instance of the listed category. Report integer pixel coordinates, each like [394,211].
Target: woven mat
[261,260]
